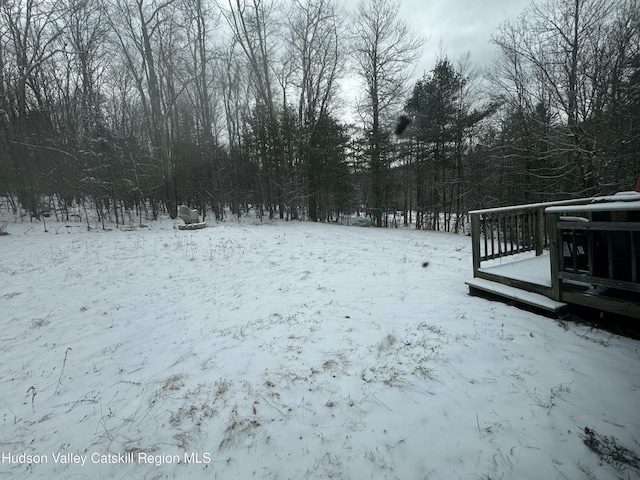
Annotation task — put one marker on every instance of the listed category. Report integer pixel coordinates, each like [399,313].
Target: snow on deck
[536,270]
[597,207]
[623,201]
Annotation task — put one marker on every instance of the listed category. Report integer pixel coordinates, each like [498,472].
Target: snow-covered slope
[292,351]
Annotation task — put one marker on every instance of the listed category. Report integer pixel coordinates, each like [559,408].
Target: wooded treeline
[141,105]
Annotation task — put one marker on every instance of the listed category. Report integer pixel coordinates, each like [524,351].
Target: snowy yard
[293,351]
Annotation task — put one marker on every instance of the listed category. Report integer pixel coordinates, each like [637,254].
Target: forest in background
[124,106]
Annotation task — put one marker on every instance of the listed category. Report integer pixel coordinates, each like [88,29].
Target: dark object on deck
[403,123]
[425,264]
[574,247]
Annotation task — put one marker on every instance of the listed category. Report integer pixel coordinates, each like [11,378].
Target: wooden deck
[583,252]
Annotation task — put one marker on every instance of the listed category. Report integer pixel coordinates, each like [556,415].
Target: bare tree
[558,64]
[318,60]
[254,28]
[86,36]
[235,108]
[137,27]
[30,32]
[315,29]
[203,88]
[384,51]
[6,184]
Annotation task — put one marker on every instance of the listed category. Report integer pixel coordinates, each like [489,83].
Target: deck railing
[500,232]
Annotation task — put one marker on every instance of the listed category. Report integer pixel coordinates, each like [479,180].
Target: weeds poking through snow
[86,398]
[377,459]
[40,322]
[222,387]
[556,392]
[238,429]
[609,451]
[33,392]
[173,383]
[64,363]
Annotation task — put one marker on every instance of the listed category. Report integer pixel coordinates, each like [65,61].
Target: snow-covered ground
[293,351]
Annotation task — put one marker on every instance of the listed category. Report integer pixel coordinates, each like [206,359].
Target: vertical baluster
[527,231]
[484,235]
[499,239]
[574,252]
[493,251]
[519,231]
[634,257]
[507,234]
[610,254]
[590,257]
[511,219]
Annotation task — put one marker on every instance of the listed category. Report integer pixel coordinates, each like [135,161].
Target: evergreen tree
[442,121]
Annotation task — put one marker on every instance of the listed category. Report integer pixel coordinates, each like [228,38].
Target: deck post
[555,254]
[540,231]
[475,242]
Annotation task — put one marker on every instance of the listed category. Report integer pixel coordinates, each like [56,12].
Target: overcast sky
[452,27]
[458,26]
